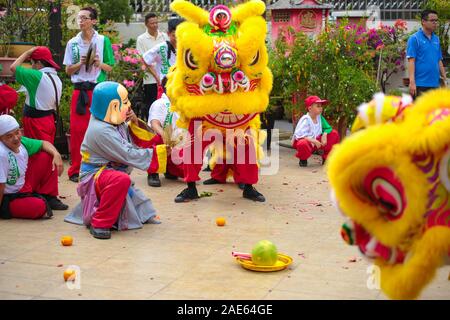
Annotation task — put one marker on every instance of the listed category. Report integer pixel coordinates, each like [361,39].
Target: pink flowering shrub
[346,63]
[129,68]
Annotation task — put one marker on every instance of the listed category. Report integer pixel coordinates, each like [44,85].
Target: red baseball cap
[43,53]
[8,98]
[314,99]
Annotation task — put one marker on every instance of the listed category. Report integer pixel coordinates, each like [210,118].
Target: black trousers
[150,95]
[421,90]
[268,123]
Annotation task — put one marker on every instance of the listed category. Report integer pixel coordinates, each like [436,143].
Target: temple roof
[299,4]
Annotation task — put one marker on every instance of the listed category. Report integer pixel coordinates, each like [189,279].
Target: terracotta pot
[6,63]
[17,48]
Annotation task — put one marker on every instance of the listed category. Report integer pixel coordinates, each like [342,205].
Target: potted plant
[23,24]
[6,21]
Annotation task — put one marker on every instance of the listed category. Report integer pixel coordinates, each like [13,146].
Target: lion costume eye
[386,191]
[255,59]
[189,60]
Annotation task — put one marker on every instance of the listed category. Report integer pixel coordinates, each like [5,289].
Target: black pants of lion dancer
[244,164]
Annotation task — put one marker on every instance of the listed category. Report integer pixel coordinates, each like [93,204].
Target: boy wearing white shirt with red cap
[313,133]
[43,92]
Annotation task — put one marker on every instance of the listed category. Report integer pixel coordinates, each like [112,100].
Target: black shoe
[303,163]
[186,195]
[170,176]
[56,204]
[212,181]
[153,180]
[241,186]
[100,233]
[252,194]
[75,178]
[207,169]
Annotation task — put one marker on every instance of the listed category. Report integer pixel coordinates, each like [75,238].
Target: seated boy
[108,197]
[313,133]
[28,177]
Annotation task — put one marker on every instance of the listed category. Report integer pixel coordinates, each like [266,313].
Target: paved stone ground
[189,257]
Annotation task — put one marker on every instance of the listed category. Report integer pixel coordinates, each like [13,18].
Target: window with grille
[383,4]
[282,16]
[390,9]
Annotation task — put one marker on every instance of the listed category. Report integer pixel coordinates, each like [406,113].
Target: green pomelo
[264,253]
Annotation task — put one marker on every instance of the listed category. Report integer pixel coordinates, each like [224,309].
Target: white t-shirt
[40,92]
[75,49]
[160,110]
[144,43]
[307,128]
[158,56]
[13,166]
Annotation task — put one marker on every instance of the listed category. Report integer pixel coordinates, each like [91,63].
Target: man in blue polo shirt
[425,56]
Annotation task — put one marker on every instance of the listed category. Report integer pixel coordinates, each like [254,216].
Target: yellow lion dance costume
[392,179]
[219,85]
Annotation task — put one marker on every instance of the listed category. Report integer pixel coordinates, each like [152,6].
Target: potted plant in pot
[6,37]
[23,24]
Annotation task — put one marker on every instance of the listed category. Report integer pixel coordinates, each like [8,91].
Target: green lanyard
[13,172]
[169,116]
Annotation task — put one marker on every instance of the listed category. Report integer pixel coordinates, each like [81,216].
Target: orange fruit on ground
[220,221]
[69,275]
[66,240]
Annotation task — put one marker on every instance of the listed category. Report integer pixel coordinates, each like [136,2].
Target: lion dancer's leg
[245,168]
[220,169]
[219,166]
[192,161]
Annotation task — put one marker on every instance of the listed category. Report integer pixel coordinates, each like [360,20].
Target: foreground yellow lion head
[221,70]
[392,180]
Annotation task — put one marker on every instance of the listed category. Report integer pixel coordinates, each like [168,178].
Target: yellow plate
[283,262]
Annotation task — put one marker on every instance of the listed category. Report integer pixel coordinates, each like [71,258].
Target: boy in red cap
[43,92]
[313,133]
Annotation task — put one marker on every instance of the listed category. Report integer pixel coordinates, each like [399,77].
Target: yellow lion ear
[249,9]
[190,12]
[428,122]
